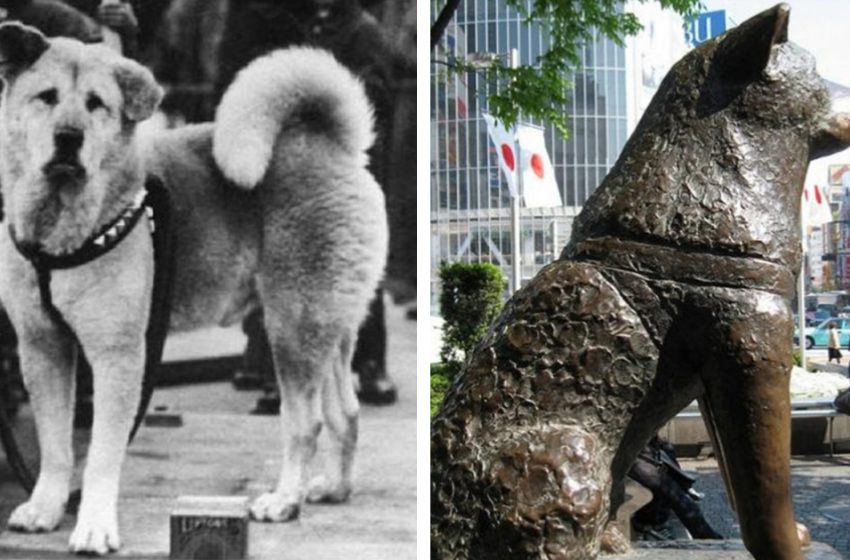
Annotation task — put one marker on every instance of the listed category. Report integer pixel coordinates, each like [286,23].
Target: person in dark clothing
[657,469]
[343,27]
[135,21]
[54,18]
[184,58]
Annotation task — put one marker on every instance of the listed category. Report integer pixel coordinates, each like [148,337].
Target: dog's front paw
[323,490]
[37,516]
[96,533]
[275,507]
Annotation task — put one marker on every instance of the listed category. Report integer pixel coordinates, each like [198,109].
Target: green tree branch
[540,90]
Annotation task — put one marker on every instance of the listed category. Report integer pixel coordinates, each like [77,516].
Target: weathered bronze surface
[675,286]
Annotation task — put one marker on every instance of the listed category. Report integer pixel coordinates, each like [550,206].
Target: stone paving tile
[709,550]
[821,489]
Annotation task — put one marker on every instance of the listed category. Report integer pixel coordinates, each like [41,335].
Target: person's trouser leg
[370,356]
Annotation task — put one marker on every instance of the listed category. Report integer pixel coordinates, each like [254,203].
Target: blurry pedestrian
[833,343]
[54,18]
[185,58]
[658,469]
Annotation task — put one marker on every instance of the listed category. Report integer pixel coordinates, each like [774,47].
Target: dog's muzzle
[57,170]
[832,135]
[65,164]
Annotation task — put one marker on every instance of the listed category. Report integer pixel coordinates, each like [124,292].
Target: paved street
[821,489]
[820,486]
[221,450]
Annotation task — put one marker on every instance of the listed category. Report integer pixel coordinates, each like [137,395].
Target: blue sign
[705,26]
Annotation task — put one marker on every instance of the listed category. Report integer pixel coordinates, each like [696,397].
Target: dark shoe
[268,404]
[380,392]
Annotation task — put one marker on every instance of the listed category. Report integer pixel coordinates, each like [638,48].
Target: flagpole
[516,263]
[801,288]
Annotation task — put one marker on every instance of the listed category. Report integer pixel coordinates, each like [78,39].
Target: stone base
[710,550]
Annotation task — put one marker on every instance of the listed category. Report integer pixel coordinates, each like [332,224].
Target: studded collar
[103,241]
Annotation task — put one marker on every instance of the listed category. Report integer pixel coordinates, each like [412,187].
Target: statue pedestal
[710,550]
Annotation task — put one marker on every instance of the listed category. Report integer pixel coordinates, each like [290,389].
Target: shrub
[441,379]
[470,298]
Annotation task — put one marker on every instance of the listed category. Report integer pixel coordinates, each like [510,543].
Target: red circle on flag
[537,165]
[508,156]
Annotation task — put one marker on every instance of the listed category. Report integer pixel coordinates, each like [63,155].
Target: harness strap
[159,201]
[672,263]
[106,239]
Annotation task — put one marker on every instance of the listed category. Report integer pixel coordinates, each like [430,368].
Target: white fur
[269,92]
[322,207]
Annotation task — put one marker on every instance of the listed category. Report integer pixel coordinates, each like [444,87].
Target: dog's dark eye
[48,96]
[93,103]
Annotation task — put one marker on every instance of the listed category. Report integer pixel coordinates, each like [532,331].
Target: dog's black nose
[68,140]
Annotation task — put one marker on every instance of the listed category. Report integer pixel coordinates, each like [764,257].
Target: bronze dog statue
[675,286]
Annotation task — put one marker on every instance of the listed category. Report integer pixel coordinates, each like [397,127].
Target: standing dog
[272,206]
[675,286]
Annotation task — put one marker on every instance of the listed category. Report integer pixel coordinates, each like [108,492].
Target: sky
[822,27]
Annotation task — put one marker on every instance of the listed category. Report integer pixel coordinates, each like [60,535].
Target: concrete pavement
[820,488]
[221,450]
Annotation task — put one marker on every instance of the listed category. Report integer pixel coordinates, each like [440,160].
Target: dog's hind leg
[341,410]
[47,364]
[746,377]
[303,352]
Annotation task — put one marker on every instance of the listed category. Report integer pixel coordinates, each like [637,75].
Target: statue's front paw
[37,516]
[803,534]
[275,507]
[613,541]
[96,532]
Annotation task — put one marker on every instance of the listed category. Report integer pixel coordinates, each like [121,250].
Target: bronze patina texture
[675,286]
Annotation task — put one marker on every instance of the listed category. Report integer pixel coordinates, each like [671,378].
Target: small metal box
[209,528]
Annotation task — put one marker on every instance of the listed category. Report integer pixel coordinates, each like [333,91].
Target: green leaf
[541,90]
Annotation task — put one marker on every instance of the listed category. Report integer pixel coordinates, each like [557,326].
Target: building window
[470,206]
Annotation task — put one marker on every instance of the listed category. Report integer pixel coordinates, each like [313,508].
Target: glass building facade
[470,205]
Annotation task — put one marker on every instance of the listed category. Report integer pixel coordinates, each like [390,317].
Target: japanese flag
[816,210]
[505,142]
[538,176]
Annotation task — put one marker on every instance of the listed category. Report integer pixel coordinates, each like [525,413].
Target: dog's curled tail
[283,88]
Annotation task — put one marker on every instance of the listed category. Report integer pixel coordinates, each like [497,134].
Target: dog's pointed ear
[744,52]
[139,88]
[20,46]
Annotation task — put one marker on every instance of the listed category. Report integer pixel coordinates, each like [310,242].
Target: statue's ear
[20,46]
[743,53]
[139,88]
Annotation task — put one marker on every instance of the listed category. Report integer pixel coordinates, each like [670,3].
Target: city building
[829,246]
[470,205]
